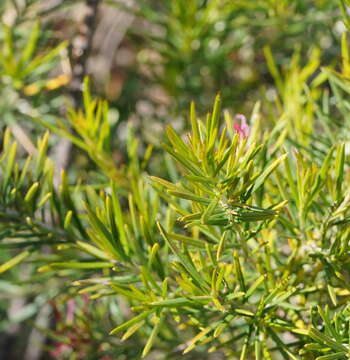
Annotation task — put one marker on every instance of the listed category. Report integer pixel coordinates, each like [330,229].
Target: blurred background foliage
[150,59]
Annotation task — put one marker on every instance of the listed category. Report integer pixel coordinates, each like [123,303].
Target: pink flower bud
[241,128]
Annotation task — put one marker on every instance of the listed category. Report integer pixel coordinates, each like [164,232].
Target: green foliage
[29,81]
[230,239]
[231,201]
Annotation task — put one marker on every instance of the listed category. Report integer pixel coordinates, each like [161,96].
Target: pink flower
[241,128]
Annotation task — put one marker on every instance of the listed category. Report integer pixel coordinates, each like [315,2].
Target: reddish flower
[241,128]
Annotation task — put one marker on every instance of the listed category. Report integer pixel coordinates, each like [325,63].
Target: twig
[22,137]
[81,49]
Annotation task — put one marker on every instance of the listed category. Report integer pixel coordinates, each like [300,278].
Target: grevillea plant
[237,249]
[241,249]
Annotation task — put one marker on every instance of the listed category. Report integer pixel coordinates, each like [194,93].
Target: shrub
[231,240]
[230,253]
